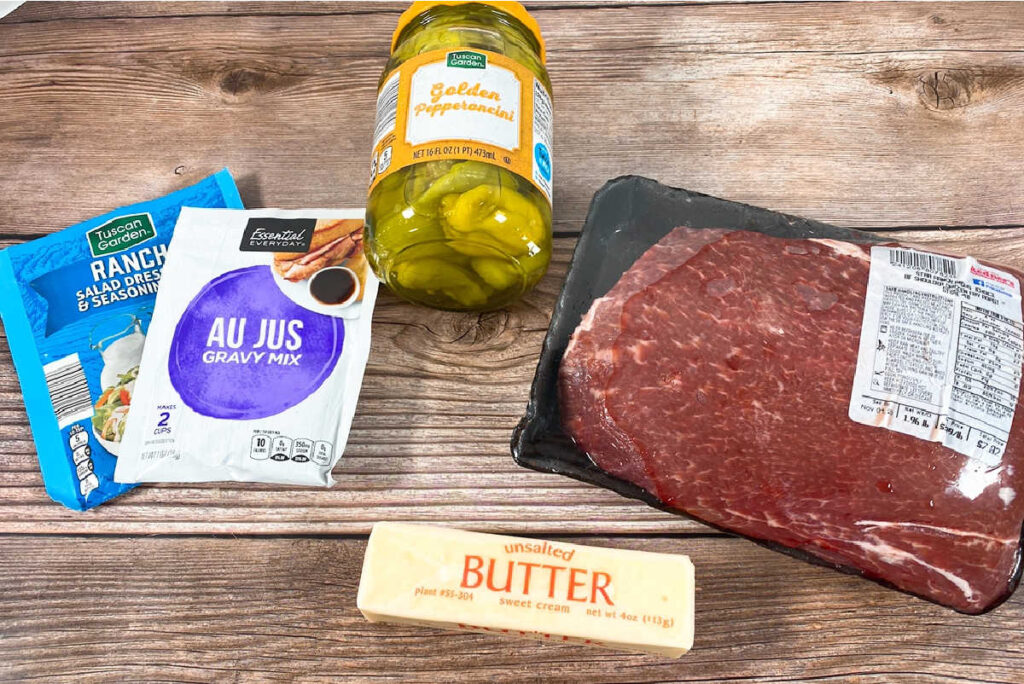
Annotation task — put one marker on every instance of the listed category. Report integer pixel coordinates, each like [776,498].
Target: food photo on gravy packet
[258,343]
[76,307]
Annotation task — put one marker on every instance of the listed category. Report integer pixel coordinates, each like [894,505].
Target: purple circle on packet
[243,350]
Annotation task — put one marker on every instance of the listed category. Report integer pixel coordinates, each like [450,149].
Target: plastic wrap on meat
[588,357]
[719,381]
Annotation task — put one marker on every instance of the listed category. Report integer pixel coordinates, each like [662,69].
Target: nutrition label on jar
[941,348]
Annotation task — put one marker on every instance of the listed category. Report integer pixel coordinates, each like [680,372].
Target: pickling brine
[459,211]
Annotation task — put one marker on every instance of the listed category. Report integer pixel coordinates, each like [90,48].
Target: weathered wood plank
[36,12]
[57,11]
[886,27]
[899,116]
[202,609]
[904,114]
[430,440]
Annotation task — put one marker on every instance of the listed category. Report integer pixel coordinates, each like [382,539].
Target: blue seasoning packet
[76,307]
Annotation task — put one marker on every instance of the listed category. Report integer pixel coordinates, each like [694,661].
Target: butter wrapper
[528,588]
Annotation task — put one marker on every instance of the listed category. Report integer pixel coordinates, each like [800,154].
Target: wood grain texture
[50,11]
[223,609]
[430,439]
[902,115]
[881,116]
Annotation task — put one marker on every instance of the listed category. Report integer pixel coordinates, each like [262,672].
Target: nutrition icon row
[280,448]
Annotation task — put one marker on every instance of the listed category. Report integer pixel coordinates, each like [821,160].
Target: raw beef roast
[717,376]
[587,364]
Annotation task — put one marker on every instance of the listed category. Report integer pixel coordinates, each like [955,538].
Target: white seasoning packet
[256,350]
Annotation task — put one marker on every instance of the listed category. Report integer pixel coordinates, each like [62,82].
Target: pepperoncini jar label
[465,105]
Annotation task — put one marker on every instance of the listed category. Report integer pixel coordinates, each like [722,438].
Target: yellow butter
[440,577]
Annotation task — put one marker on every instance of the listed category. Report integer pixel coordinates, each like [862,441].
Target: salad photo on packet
[76,310]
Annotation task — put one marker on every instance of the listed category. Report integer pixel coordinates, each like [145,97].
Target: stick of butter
[440,577]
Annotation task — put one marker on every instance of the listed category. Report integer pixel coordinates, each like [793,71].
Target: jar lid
[512,8]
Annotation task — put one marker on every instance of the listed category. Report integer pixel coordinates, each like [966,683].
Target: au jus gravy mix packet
[257,348]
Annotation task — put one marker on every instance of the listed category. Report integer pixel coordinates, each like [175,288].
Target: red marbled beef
[725,383]
[587,363]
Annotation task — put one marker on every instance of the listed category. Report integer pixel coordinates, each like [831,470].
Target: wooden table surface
[894,117]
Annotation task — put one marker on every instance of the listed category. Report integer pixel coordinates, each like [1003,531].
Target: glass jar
[459,210]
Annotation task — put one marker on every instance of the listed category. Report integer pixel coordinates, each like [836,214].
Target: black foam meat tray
[626,217]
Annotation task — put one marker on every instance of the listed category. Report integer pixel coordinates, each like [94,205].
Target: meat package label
[940,353]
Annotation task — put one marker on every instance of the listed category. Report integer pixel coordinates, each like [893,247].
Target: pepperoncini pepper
[459,212]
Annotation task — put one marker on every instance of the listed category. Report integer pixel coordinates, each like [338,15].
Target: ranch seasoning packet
[76,309]
[257,348]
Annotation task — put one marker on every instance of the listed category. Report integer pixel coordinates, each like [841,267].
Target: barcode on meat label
[387,109]
[940,352]
[69,391]
[922,261]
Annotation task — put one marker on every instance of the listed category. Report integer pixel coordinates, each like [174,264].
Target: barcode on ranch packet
[69,390]
[922,261]
[387,109]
